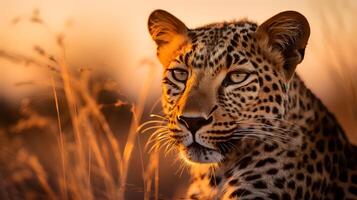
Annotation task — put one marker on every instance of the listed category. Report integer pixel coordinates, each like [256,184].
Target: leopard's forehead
[220,45]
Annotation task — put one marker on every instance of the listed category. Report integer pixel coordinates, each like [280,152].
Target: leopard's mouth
[198,148]
[197,153]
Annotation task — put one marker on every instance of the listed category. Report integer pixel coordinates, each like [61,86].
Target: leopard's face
[220,84]
[210,92]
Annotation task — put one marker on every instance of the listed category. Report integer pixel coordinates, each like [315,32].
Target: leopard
[241,118]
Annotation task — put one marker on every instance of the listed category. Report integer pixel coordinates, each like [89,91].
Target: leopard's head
[225,82]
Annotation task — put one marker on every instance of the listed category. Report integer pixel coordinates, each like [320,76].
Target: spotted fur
[242,119]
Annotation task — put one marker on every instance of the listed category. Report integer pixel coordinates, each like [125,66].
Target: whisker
[159,116]
[266,136]
[263,133]
[275,134]
[154,136]
[169,150]
[267,126]
[150,122]
[153,127]
[254,137]
[169,147]
[270,118]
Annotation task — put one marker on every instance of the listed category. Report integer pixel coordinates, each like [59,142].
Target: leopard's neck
[307,111]
[321,130]
[302,106]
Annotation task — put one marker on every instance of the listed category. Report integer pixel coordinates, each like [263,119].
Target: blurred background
[109,40]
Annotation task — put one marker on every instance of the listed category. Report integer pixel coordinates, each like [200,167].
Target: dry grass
[92,163]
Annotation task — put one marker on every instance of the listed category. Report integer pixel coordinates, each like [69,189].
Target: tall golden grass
[93,163]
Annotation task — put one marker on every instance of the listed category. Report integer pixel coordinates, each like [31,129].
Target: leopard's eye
[236,77]
[180,75]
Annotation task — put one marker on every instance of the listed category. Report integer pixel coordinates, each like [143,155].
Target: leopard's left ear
[168,32]
[287,33]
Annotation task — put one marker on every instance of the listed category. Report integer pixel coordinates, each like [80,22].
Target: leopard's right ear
[168,32]
[286,33]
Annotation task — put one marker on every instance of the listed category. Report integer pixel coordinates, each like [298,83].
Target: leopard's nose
[193,124]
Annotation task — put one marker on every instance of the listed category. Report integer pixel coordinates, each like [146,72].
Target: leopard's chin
[198,154]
